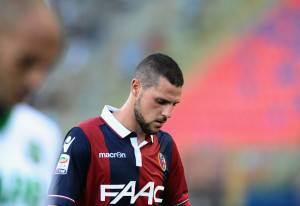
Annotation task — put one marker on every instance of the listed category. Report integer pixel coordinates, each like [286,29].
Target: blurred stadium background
[238,126]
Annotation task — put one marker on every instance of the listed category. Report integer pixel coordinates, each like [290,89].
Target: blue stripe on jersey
[166,148]
[73,182]
[123,168]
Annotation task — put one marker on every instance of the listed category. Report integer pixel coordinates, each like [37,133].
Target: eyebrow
[167,101]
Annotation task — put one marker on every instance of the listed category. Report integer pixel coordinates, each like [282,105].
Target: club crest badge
[162,161]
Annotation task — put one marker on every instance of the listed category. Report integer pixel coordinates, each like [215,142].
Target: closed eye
[162,101]
[27,62]
[174,104]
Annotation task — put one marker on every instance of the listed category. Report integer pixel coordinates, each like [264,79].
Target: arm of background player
[70,174]
[177,192]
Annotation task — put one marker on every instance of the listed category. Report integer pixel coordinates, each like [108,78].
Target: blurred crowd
[104,40]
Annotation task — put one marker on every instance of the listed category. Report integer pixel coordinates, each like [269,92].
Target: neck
[127,118]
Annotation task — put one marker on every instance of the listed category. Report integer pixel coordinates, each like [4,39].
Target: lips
[160,123]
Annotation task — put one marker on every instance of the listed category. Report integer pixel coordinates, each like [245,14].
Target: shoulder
[32,124]
[165,140]
[76,140]
[164,137]
[33,117]
[90,127]
[32,127]
[91,123]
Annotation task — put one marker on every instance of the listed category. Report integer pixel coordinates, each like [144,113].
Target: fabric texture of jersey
[101,163]
[29,145]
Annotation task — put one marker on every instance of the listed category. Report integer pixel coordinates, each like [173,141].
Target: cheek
[9,78]
[153,111]
[15,84]
[147,105]
[9,89]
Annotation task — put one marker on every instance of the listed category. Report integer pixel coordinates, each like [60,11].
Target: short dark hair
[156,65]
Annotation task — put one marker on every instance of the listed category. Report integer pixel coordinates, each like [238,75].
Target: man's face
[154,105]
[26,53]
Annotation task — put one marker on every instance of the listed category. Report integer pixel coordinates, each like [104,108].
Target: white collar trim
[110,119]
[113,122]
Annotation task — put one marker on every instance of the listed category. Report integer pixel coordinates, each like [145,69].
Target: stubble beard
[140,119]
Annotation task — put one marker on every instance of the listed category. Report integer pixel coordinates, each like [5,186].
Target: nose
[167,111]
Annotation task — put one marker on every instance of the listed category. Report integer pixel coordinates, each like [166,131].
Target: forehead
[17,46]
[37,35]
[164,89]
[39,26]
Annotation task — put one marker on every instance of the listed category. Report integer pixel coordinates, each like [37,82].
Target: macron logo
[112,155]
[68,143]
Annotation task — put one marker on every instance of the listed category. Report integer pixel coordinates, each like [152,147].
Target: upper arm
[70,173]
[176,187]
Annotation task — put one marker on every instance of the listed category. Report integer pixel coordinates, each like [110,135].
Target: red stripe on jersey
[150,171]
[99,169]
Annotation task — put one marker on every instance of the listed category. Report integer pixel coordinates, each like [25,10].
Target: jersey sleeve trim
[63,197]
[185,201]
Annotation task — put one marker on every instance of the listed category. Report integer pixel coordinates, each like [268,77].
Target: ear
[135,87]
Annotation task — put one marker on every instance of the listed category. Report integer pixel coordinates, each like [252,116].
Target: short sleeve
[177,192]
[70,173]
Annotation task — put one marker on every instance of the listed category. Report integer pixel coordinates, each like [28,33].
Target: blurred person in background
[30,40]
[122,157]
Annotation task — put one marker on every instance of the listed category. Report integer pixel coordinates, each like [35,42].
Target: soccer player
[122,157]
[29,42]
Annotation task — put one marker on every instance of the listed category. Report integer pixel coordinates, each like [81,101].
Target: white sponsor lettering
[149,190]
[112,155]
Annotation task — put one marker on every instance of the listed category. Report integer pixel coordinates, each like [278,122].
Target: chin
[153,131]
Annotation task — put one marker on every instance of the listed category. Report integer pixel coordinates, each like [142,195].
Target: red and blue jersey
[102,164]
